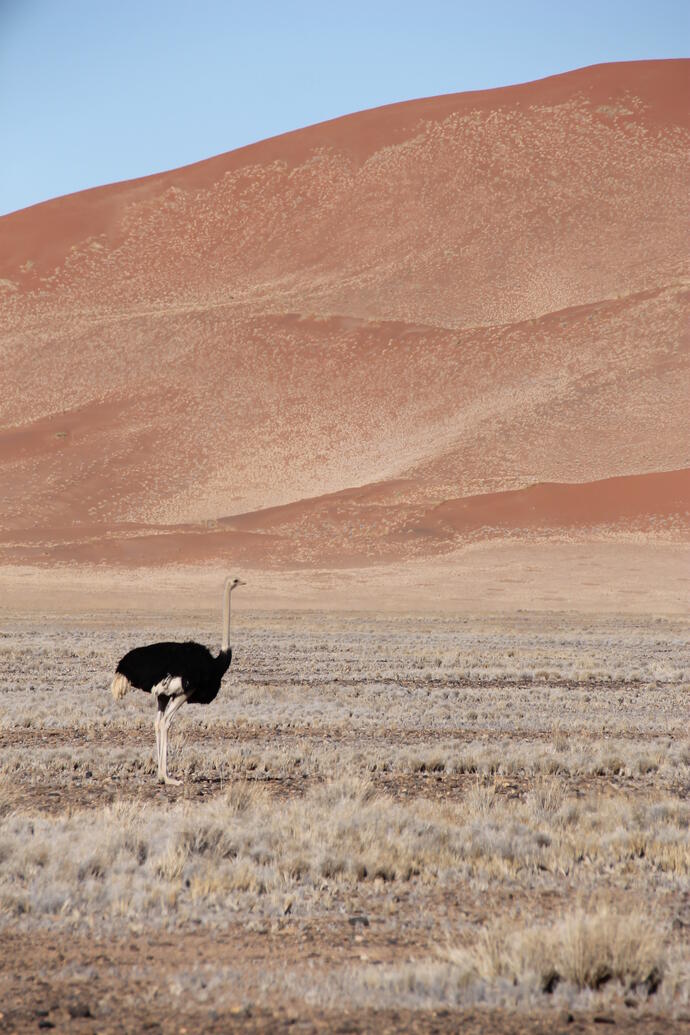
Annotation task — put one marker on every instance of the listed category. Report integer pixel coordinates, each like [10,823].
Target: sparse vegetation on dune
[491,811]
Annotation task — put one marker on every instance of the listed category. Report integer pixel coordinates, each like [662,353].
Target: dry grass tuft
[586,957]
[584,949]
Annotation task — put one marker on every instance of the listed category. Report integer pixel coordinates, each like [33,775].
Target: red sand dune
[374,339]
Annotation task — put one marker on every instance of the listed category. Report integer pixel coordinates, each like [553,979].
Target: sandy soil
[637,576]
[110,986]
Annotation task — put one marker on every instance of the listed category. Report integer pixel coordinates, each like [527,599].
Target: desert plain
[413,822]
[419,376]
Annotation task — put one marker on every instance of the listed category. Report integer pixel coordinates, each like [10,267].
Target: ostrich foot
[169,781]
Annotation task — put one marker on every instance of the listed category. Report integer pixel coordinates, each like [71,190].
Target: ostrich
[175,673]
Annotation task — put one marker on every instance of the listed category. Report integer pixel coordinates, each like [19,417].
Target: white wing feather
[171,686]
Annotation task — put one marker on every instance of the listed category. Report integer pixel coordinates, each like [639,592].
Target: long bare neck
[226,616]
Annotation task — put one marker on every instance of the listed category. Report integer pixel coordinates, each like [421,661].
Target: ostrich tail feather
[119,686]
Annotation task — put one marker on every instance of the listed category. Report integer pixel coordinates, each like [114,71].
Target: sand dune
[369,341]
[370,525]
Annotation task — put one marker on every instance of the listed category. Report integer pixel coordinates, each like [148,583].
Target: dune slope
[374,339]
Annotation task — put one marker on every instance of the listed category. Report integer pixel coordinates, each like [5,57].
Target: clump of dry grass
[5,797]
[599,952]
[584,949]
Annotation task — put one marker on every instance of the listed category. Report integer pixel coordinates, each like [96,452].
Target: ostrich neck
[226,619]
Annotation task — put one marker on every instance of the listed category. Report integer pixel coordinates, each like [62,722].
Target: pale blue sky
[93,91]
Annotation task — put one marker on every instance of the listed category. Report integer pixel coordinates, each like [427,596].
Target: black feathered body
[199,671]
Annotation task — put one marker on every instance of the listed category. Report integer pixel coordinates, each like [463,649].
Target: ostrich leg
[160,709]
[172,706]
